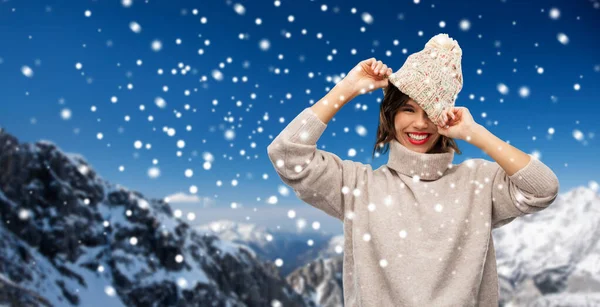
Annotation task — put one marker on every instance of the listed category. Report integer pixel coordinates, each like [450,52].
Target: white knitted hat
[432,77]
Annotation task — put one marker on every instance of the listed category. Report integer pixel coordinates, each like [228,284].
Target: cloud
[183,198]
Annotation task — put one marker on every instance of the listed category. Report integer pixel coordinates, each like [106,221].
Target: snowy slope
[552,253]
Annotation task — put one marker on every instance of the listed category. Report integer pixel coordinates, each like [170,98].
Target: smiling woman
[419,199]
[400,115]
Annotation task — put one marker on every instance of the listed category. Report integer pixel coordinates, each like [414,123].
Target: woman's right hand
[368,75]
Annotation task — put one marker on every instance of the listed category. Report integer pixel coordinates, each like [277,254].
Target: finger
[378,67]
[390,71]
[383,70]
[373,64]
[441,122]
[459,112]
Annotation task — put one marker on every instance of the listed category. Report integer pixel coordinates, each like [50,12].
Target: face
[412,118]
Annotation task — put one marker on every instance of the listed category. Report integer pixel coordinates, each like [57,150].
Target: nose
[423,120]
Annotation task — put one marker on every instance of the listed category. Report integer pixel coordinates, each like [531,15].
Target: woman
[418,230]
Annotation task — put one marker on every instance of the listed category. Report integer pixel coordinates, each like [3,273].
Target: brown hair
[393,100]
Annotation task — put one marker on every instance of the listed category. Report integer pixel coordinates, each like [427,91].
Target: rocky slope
[69,238]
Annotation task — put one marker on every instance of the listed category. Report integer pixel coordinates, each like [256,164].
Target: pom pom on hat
[432,77]
[443,41]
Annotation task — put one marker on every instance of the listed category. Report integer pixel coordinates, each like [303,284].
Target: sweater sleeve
[529,190]
[318,177]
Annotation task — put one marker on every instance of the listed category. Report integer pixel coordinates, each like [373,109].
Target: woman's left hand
[459,121]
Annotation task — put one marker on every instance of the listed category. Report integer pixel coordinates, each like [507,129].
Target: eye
[411,110]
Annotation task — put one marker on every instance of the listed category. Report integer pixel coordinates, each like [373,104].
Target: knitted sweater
[418,230]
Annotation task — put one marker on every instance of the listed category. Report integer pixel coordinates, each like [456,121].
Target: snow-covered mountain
[69,238]
[553,256]
[320,281]
[294,249]
[313,270]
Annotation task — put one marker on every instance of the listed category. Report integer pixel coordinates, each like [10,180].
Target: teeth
[417,137]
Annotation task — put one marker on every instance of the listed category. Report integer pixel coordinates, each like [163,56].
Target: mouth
[418,141]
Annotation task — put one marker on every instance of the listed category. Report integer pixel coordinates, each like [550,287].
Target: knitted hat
[432,77]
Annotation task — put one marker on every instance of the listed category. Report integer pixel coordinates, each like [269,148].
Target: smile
[418,141]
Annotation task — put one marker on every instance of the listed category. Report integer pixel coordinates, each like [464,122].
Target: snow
[93,295]
[45,276]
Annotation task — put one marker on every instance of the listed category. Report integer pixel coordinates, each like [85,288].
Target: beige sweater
[417,231]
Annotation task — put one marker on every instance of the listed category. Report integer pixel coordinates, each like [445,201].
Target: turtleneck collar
[429,166]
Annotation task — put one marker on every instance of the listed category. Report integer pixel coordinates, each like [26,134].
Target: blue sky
[57,60]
